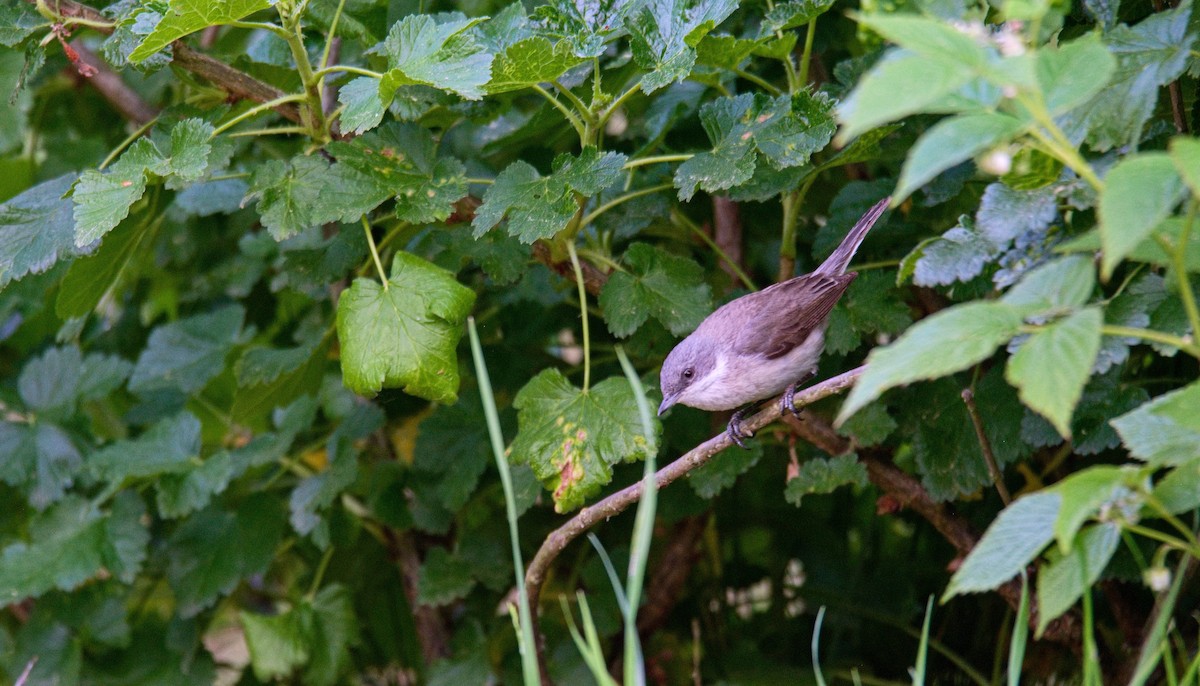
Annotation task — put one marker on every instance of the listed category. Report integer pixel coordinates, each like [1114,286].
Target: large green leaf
[1165,430]
[664,34]
[404,334]
[186,354]
[658,284]
[1052,366]
[1074,72]
[941,344]
[951,141]
[784,130]
[37,229]
[529,62]
[1068,575]
[423,50]
[188,16]
[1139,193]
[902,83]
[168,447]
[572,438]
[540,206]
[1012,541]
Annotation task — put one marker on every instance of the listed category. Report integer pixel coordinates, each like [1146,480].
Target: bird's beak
[667,403]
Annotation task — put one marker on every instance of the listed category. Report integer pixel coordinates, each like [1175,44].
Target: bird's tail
[840,259]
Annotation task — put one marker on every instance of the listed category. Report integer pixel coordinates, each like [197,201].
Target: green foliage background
[239,242]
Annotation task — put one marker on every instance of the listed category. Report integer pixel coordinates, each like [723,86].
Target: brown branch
[621,500]
[593,278]
[113,89]
[727,233]
[239,85]
[432,633]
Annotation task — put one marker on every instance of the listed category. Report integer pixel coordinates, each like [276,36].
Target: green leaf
[334,630]
[1016,536]
[1074,72]
[90,278]
[452,449]
[189,16]
[180,494]
[278,644]
[1006,214]
[930,37]
[1177,490]
[168,447]
[946,342]
[41,460]
[212,550]
[869,426]
[1051,368]
[318,492]
[103,200]
[269,378]
[71,543]
[1185,154]
[18,21]
[444,578]
[900,84]
[405,334]
[530,62]
[421,50]
[658,284]
[722,470]
[37,229]
[572,438]
[1161,432]
[362,108]
[1139,193]
[51,381]
[400,160]
[663,35]
[1068,575]
[307,192]
[1056,286]
[1089,493]
[785,131]
[960,254]
[951,141]
[820,475]
[793,13]
[539,207]
[131,29]
[1149,55]
[186,354]
[586,27]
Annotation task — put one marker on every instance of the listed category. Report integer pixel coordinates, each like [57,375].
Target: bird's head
[685,368]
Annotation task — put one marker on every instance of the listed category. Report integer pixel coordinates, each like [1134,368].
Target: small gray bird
[763,343]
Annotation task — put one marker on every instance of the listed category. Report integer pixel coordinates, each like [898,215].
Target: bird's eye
[689,373]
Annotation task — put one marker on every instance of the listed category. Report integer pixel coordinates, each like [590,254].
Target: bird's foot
[788,403]
[736,434]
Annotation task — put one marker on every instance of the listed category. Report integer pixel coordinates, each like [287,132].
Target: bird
[764,343]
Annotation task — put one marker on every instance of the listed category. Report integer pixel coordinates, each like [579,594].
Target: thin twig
[109,84]
[989,456]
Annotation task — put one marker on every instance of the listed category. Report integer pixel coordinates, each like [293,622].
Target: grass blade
[918,675]
[1020,634]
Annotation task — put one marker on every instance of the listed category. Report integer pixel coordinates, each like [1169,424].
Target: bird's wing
[789,312]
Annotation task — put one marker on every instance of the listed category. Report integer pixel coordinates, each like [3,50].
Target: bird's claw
[735,427]
[788,404]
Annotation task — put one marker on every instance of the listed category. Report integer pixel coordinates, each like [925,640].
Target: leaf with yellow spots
[572,438]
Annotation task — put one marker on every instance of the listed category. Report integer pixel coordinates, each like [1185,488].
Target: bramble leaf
[1016,536]
[188,16]
[404,335]
[168,447]
[1069,574]
[37,229]
[444,578]
[951,141]
[1052,366]
[1162,432]
[1139,193]
[944,343]
[529,62]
